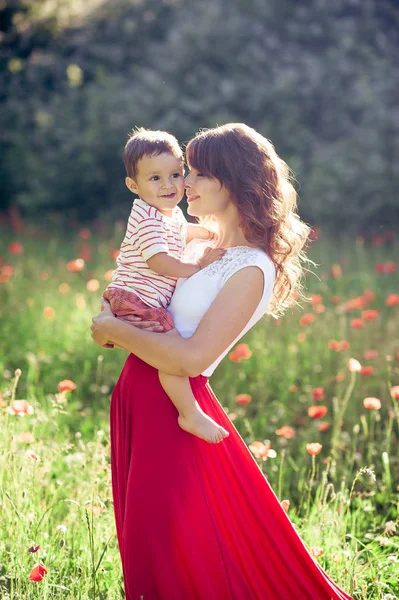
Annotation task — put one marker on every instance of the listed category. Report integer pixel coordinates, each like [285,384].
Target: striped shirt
[148,233]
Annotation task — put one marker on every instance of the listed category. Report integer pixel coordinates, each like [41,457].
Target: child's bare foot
[199,424]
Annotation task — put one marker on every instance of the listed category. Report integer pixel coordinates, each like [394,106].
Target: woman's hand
[103,323]
[101,326]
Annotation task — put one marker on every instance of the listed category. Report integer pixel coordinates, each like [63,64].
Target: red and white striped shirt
[148,233]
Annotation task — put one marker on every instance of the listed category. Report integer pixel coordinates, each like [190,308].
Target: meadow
[314,395]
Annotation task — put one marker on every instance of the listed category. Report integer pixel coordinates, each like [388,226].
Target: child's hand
[211,255]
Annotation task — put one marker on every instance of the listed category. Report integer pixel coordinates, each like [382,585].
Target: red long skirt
[197,521]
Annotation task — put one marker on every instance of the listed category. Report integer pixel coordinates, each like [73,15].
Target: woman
[197,521]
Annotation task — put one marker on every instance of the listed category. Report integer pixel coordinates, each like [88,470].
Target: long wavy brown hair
[247,165]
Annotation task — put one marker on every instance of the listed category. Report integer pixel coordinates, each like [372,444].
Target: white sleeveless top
[193,296]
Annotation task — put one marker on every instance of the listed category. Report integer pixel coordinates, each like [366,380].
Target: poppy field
[315,396]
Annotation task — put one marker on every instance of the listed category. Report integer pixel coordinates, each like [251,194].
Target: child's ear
[131,185]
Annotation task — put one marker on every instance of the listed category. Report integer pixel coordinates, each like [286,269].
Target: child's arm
[198,231]
[166,264]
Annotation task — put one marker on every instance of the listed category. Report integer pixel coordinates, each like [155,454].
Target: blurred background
[318,78]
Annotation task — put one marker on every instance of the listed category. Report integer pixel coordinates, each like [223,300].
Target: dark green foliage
[319,78]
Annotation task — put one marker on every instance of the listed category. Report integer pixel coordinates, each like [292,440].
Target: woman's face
[205,196]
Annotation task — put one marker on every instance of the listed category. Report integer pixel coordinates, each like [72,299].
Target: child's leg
[191,417]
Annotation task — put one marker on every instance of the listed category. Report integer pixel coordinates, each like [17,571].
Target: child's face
[159,181]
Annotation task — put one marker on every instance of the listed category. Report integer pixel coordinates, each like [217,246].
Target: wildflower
[323,426]
[340,376]
[370,315]
[44,276]
[286,432]
[75,266]
[378,241]
[38,572]
[93,285]
[336,271]
[368,370]
[319,309]
[293,388]
[316,551]
[316,299]
[313,448]
[33,549]
[85,233]
[318,393]
[285,505]
[370,354]
[336,558]
[243,351]
[20,408]
[355,303]
[301,337]
[314,233]
[392,300]
[32,456]
[80,301]
[338,346]
[16,248]
[26,437]
[369,295]
[390,528]
[390,267]
[243,399]
[63,288]
[114,252]
[240,352]
[335,299]
[354,365]
[263,451]
[306,319]
[372,403]
[357,323]
[49,312]
[66,386]
[395,392]
[317,412]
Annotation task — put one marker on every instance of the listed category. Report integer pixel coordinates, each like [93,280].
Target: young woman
[198,521]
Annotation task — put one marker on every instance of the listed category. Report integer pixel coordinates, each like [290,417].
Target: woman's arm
[223,322]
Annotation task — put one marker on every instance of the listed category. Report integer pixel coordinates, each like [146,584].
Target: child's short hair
[145,142]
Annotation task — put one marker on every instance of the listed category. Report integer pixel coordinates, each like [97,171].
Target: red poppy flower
[317,412]
[66,386]
[21,408]
[318,393]
[314,448]
[336,299]
[392,300]
[390,267]
[243,399]
[243,351]
[306,319]
[285,504]
[336,271]
[316,299]
[370,354]
[16,248]
[85,233]
[395,392]
[355,303]
[370,315]
[357,324]
[323,426]
[38,572]
[33,549]
[367,370]
[372,403]
[286,432]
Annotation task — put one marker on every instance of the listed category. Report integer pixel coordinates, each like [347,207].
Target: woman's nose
[187,181]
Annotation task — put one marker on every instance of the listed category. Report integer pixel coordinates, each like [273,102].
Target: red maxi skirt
[198,521]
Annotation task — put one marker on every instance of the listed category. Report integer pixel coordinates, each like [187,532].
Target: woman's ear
[131,185]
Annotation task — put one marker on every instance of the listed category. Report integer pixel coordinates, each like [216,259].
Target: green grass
[344,500]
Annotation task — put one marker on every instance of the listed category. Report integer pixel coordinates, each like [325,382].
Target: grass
[54,463]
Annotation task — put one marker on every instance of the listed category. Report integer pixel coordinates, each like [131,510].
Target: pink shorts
[124,303]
